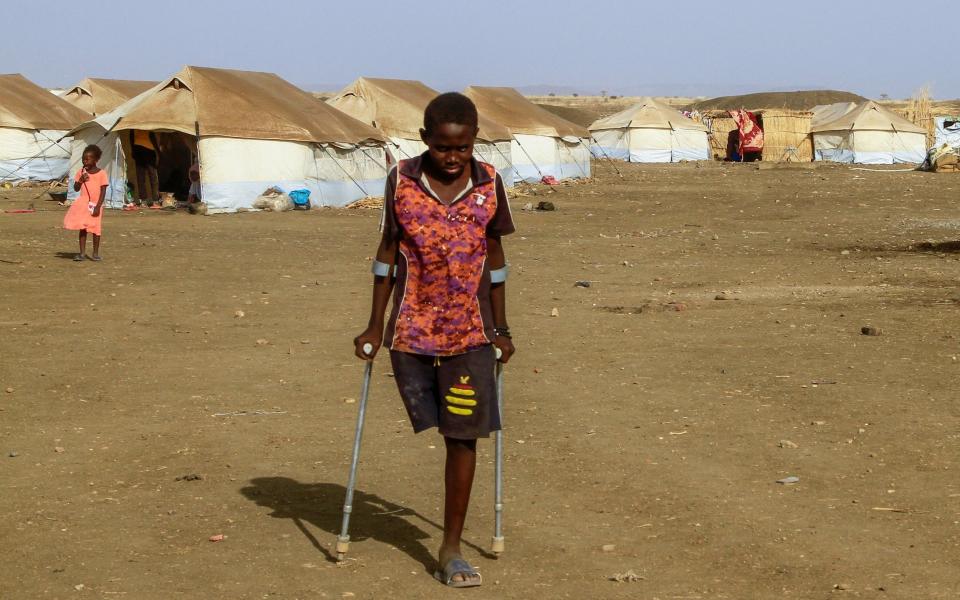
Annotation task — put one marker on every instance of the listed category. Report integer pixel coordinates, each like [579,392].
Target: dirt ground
[717,350]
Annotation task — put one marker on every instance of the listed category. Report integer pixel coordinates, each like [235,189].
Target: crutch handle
[368,348]
[499,353]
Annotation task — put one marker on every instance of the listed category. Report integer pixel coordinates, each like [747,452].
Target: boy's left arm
[498,300]
[500,225]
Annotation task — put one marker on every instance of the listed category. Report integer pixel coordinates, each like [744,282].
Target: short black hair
[452,107]
[95,149]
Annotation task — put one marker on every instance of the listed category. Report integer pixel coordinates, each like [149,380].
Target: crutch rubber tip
[342,546]
[497,545]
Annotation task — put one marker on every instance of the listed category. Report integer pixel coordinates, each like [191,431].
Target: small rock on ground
[626,577]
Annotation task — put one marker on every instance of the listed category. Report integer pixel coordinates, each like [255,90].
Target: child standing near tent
[86,213]
[443,217]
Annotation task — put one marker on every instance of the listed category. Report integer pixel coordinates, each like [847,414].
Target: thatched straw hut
[720,124]
[786,134]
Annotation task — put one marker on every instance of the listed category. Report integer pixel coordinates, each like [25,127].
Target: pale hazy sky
[627,47]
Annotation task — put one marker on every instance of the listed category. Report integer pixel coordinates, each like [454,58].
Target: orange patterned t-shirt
[441,301]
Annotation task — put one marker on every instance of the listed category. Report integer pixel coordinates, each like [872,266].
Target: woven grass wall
[786,135]
[720,124]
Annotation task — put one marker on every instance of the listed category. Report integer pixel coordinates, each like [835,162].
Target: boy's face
[450,147]
[89,160]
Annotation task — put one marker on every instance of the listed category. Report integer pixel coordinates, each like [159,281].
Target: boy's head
[449,131]
[91,154]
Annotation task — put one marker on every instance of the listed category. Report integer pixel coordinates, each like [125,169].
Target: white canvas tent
[97,96]
[252,131]
[395,107]
[869,134]
[649,132]
[543,143]
[824,113]
[947,131]
[32,123]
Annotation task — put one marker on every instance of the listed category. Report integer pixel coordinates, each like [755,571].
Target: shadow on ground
[321,505]
[948,247]
[952,247]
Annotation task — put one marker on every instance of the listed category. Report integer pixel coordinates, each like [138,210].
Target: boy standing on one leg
[440,254]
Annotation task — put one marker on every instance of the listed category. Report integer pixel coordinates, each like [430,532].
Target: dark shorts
[458,395]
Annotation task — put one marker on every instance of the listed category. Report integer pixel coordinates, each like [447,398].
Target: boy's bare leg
[458,479]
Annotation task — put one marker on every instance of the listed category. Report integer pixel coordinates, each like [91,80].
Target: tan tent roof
[869,116]
[824,113]
[237,104]
[508,107]
[26,105]
[648,114]
[395,106]
[97,96]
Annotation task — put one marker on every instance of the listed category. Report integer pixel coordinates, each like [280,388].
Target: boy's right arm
[382,287]
[382,283]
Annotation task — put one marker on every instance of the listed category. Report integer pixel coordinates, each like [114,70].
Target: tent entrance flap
[172,158]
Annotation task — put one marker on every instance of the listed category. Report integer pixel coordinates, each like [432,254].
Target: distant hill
[543,89]
[581,116]
[801,100]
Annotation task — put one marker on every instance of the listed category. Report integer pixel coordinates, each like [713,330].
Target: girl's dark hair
[451,107]
[94,149]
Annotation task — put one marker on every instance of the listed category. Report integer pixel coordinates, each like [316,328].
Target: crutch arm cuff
[499,275]
[381,269]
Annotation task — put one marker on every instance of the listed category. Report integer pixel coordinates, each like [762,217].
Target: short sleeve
[502,222]
[388,218]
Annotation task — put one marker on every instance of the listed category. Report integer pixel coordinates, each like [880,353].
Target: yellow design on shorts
[461,396]
[460,401]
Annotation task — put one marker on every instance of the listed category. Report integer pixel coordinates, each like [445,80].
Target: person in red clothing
[441,255]
[86,213]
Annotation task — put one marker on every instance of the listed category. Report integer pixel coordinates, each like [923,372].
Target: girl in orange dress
[86,212]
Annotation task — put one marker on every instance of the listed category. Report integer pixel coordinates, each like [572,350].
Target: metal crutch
[343,540]
[496,545]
